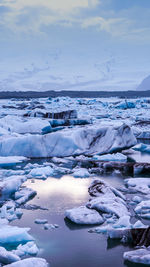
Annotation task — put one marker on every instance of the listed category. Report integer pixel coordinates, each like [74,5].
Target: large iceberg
[90,140]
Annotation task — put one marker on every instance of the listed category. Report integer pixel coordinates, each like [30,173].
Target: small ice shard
[143,209]
[138,256]
[48,226]
[30,262]
[83,215]
[41,221]
[7,257]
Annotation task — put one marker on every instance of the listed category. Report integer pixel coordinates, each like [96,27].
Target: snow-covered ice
[31,262]
[83,215]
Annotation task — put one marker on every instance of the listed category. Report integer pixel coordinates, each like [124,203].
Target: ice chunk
[142,147]
[90,140]
[30,248]
[41,172]
[111,157]
[11,160]
[24,195]
[138,256]
[7,257]
[19,125]
[31,262]
[11,184]
[112,205]
[41,221]
[143,209]
[141,185]
[14,234]
[80,172]
[83,215]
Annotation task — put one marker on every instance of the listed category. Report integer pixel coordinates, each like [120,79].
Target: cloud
[31,16]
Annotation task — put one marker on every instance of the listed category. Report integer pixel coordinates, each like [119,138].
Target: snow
[138,256]
[31,262]
[83,215]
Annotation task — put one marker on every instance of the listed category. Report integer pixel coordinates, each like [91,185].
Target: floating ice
[30,248]
[31,262]
[87,140]
[42,172]
[23,195]
[138,256]
[11,184]
[80,172]
[41,221]
[7,257]
[111,157]
[11,160]
[83,215]
[135,185]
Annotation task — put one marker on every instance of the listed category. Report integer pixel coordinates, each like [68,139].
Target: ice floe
[83,215]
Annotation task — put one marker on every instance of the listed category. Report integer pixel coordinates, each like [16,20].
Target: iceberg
[11,184]
[11,160]
[7,257]
[111,157]
[31,262]
[90,140]
[83,215]
[138,256]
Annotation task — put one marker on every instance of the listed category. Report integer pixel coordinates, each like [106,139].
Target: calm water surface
[69,245]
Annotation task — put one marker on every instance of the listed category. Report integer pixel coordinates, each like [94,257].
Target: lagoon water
[69,245]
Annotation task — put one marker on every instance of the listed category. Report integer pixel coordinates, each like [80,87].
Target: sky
[74,44]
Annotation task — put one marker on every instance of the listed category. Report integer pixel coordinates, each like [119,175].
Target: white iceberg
[11,184]
[7,257]
[41,172]
[111,157]
[83,215]
[138,256]
[31,262]
[11,160]
[89,140]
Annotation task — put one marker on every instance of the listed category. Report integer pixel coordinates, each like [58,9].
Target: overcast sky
[74,44]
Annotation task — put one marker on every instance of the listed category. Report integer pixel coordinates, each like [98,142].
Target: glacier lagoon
[43,174]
